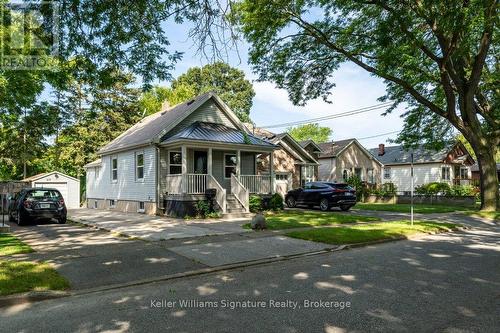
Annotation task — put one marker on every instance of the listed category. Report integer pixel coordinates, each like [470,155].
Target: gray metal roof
[203,131]
[399,155]
[151,127]
[95,163]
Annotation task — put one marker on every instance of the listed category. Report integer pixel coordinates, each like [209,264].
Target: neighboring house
[167,161]
[475,173]
[293,165]
[67,185]
[342,159]
[450,165]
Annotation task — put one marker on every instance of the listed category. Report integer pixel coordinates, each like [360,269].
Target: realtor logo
[29,35]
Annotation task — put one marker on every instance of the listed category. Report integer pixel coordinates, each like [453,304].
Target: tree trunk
[489,179]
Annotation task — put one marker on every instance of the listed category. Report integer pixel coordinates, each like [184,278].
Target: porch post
[184,168]
[271,171]
[238,163]
[209,161]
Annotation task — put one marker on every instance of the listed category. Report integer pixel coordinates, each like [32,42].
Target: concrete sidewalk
[154,228]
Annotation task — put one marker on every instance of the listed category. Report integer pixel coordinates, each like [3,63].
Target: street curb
[41,296]
[32,296]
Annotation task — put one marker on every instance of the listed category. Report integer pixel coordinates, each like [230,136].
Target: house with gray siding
[165,163]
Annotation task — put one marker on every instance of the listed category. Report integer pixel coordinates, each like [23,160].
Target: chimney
[381,149]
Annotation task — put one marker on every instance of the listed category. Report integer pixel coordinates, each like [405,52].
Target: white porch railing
[188,183]
[240,192]
[220,197]
[258,184]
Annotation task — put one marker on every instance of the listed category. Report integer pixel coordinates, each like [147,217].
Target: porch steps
[233,206]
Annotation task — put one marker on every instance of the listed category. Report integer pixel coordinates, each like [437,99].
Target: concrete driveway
[154,228]
[94,258]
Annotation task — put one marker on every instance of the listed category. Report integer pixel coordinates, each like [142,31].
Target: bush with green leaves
[434,188]
[203,210]
[276,202]
[385,190]
[255,203]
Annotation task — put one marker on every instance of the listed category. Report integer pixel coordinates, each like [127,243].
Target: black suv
[35,203]
[322,194]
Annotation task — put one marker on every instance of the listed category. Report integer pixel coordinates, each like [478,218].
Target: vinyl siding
[423,174]
[126,187]
[208,112]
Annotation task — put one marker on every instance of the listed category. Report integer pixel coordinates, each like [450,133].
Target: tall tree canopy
[438,58]
[318,134]
[228,82]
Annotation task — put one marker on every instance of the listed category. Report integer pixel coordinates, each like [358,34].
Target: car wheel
[345,208]
[290,202]
[62,220]
[324,205]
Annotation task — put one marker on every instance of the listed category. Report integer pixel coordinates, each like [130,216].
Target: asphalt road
[440,283]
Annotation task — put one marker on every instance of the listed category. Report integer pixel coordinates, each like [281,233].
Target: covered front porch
[189,167]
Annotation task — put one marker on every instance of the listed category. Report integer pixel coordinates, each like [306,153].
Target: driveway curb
[32,296]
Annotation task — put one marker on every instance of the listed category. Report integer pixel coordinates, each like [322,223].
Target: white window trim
[139,210]
[113,205]
[449,173]
[111,167]
[168,161]
[229,166]
[387,172]
[137,153]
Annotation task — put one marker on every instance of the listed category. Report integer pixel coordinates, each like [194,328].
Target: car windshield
[340,186]
[43,195]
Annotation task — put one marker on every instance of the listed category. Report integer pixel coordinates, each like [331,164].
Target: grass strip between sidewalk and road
[22,276]
[10,244]
[417,208]
[371,232]
[495,216]
[305,218]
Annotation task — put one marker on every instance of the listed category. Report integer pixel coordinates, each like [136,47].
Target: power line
[377,135]
[338,115]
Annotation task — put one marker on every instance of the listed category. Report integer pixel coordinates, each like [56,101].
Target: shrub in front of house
[385,190]
[255,203]
[444,189]
[276,202]
[203,210]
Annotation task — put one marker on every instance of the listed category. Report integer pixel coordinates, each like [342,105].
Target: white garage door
[61,187]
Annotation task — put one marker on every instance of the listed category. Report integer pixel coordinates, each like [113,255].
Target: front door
[200,162]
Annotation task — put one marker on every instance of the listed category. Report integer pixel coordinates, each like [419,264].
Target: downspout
[157,178]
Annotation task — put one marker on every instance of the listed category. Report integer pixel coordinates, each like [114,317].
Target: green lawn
[23,276]
[370,232]
[302,219]
[405,208]
[11,245]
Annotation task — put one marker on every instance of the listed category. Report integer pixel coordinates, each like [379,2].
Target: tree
[151,101]
[313,132]
[228,82]
[467,145]
[439,58]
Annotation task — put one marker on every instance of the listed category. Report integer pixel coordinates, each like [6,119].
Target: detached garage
[68,186]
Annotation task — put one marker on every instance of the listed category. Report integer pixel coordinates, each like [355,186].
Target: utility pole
[24,147]
[412,185]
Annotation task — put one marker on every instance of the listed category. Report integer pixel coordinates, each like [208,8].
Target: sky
[355,88]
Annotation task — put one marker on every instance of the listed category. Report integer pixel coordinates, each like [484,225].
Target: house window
[282,176]
[114,169]
[95,204]
[445,173]
[359,173]
[307,174]
[369,176]
[464,173]
[112,203]
[175,162]
[139,166]
[141,207]
[345,174]
[387,173]
[97,172]
[229,165]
